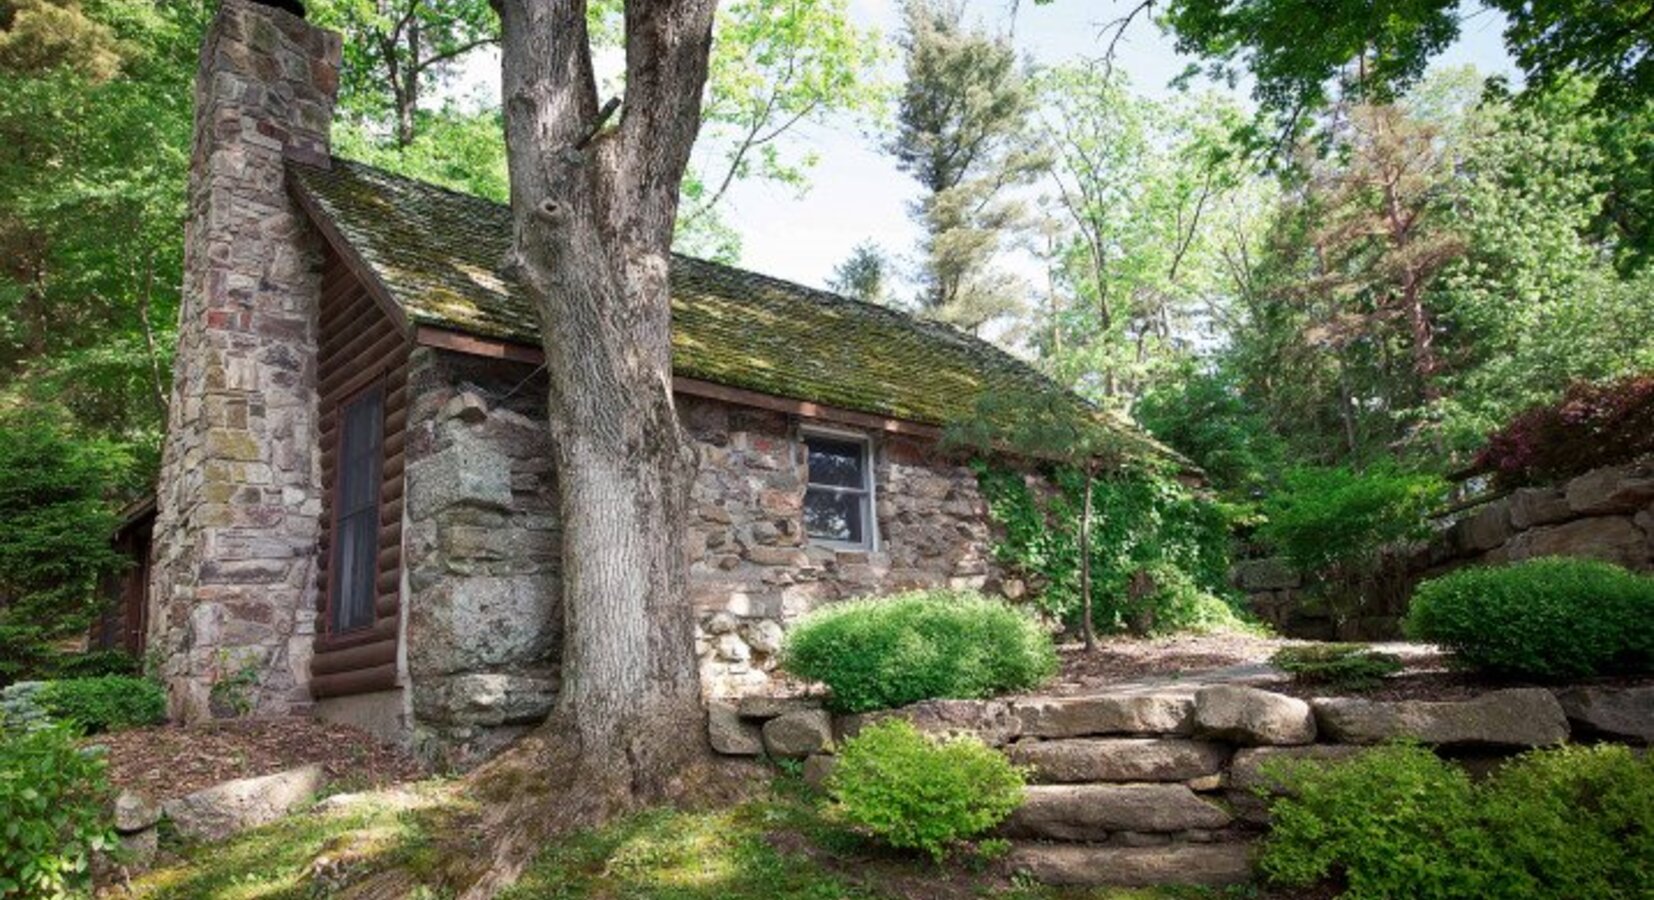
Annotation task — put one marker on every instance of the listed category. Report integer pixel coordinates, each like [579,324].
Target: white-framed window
[838,496]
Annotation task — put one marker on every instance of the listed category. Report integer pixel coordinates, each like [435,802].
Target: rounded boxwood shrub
[923,793]
[1542,618]
[880,653]
[110,703]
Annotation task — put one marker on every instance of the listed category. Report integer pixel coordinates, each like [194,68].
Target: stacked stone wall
[1146,786]
[1605,514]
[233,584]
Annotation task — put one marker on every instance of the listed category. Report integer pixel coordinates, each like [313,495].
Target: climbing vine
[1159,557]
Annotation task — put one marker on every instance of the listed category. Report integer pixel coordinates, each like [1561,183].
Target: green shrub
[53,803]
[1324,519]
[110,703]
[1392,822]
[918,792]
[1542,618]
[1573,822]
[1349,667]
[885,652]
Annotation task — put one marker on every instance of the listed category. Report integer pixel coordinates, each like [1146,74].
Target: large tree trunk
[593,212]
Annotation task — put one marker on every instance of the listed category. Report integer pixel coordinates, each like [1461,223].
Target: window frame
[336,516]
[868,493]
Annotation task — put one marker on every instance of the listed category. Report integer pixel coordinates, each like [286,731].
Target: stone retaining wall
[1144,787]
[1605,514]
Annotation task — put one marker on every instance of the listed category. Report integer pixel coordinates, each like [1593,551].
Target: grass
[784,846]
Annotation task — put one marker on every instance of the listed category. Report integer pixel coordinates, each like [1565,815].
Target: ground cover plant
[914,791]
[885,652]
[1340,666]
[1541,618]
[108,703]
[1399,821]
[53,814]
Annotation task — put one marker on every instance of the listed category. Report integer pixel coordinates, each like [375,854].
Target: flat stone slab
[1083,865]
[225,809]
[732,735]
[1090,812]
[1517,717]
[1072,760]
[796,735]
[1625,714]
[1104,714]
[1249,716]
[991,721]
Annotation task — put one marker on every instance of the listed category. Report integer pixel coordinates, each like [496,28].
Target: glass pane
[838,463]
[833,516]
[357,559]
[359,456]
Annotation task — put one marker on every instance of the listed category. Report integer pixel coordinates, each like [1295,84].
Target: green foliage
[1338,518]
[1144,523]
[884,652]
[917,792]
[54,538]
[1400,822]
[1350,667]
[109,703]
[1204,417]
[53,803]
[1540,618]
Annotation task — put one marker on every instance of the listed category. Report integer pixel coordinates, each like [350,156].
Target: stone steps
[1092,865]
[1094,812]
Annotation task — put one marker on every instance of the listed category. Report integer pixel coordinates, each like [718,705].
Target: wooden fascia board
[444,339]
[353,260]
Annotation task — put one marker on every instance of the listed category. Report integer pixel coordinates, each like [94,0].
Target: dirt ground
[170,761]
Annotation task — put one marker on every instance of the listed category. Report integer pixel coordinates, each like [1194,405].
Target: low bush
[1591,426]
[1332,522]
[53,803]
[1541,618]
[923,793]
[880,653]
[110,703]
[1400,822]
[1350,667]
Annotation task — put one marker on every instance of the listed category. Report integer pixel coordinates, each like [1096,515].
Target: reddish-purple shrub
[1593,425]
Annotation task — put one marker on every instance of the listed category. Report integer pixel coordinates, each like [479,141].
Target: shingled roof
[437,253]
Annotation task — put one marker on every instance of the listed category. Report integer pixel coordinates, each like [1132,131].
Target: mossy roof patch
[438,253]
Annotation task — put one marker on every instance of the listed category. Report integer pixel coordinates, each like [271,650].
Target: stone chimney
[233,595]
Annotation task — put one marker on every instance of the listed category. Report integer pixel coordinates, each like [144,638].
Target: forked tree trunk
[593,211]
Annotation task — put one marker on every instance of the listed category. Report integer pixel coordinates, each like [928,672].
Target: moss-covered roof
[437,252]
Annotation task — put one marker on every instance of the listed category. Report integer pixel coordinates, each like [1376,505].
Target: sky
[858,194]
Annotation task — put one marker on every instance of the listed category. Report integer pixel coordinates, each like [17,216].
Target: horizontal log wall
[360,346]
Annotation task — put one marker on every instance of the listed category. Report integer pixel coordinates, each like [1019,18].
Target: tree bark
[1088,629]
[593,213]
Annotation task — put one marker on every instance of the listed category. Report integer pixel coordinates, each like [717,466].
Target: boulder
[991,721]
[1060,717]
[1614,489]
[1538,506]
[220,811]
[1084,865]
[1517,717]
[796,735]
[1119,759]
[1615,539]
[1247,715]
[1090,812]
[1623,714]
[731,735]
[818,768]
[1487,528]
[135,812]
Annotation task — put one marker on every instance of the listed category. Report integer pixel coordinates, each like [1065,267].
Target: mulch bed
[1442,685]
[170,761]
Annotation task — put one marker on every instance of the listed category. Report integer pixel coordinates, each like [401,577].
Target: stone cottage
[357,512]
